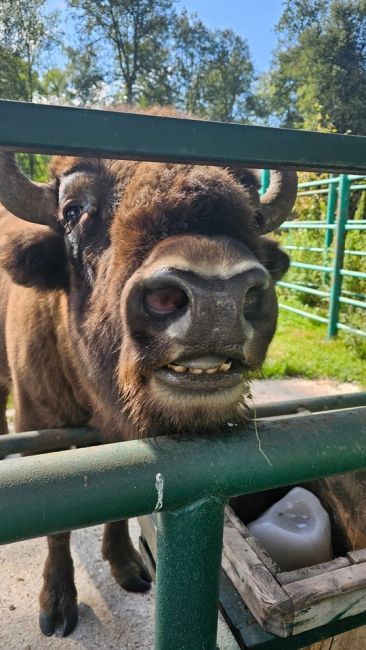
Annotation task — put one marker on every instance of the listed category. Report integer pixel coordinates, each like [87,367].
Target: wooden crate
[292,602]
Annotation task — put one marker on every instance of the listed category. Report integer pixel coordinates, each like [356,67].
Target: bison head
[167,279]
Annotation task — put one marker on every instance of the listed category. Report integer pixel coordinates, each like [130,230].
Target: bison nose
[205,302]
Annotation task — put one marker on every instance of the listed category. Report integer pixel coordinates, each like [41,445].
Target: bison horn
[277,202]
[35,202]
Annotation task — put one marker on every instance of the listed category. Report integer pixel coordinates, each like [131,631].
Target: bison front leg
[58,598]
[127,565]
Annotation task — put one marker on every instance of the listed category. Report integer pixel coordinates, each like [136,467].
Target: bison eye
[72,215]
[165,301]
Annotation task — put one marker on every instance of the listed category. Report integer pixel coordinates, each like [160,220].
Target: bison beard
[138,297]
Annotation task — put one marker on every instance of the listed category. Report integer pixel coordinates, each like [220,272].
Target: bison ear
[275,260]
[36,259]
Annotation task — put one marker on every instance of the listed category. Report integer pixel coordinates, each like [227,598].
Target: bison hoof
[60,609]
[133,577]
[137,584]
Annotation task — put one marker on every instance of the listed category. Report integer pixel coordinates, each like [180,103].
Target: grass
[300,349]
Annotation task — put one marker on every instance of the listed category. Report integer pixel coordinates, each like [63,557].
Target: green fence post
[265,177]
[331,207]
[189,543]
[343,207]
[330,217]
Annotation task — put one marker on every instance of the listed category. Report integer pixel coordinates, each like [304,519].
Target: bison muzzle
[137,297]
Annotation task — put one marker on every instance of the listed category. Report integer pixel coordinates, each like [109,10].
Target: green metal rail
[114,481]
[336,226]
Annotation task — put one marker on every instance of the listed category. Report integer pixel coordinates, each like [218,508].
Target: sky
[254,20]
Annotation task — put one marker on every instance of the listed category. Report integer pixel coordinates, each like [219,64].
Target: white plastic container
[295,531]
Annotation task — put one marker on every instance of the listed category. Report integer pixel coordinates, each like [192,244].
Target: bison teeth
[177,368]
[200,371]
[225,366]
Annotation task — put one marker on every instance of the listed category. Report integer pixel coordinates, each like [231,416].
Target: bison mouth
[203,373]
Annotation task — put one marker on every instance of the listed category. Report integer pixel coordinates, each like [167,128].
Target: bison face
[198,316]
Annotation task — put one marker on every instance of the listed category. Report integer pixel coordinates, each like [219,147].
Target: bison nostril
[167,300]
[252,303]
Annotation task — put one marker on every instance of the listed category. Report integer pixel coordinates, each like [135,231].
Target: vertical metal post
[330,217]
[264,181]
[189,543]
[331,207]
[343,207]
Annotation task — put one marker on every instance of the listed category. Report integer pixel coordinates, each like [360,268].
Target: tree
[318,75]
[227,88]
[79,83]
[13,75]
[212,71]
[25,35]
[131,34]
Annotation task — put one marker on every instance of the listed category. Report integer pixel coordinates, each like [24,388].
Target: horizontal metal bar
[311,249]
[110,134]
[354,303]
[49,440]
[356,225]
[308,225]
[349,252]
[300,312]
[319,225]
[311,192]
[348,328]
[358,187]
[313,404]
[353,274]
[354,293]
[322,181]
[300,287]
[356,177]
[312,267]
[82,487]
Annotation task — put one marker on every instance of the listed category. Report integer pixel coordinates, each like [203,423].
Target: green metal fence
[114,481]
[329,257]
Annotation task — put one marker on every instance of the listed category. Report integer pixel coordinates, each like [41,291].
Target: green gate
[115,481]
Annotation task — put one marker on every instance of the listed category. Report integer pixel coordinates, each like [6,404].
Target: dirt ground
[109,618]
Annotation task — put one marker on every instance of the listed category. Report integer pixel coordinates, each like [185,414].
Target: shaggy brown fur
[80,341]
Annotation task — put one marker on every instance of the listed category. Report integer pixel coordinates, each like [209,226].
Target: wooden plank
[357,557]
[323,598]
[232,519]
[344,497]
[352,640]
[267,601]
[286,577]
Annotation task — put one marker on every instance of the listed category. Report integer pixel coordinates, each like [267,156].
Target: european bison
[136,296]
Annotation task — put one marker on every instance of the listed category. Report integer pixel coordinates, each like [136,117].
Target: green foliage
[212,72]
[131,35]
[25,36]
[13,75]
[318,75]
[35,166]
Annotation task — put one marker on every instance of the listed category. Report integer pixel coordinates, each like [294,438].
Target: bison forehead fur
[146,289]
